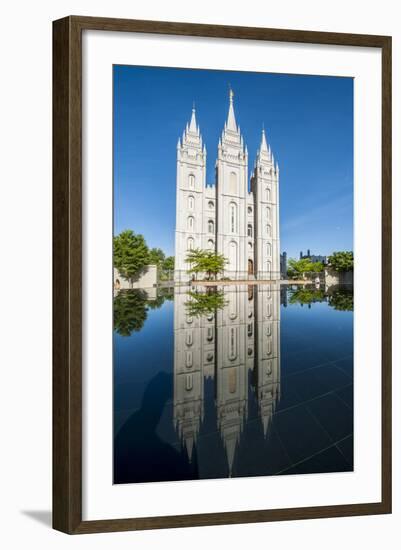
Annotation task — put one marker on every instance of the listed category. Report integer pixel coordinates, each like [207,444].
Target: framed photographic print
[222,274]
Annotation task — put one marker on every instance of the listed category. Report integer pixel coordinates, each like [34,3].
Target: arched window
[269,346]
[269,268]
[191,202]
[250,246]
[188,359]
[191,223]
[210,244]
[250,329]
[190,245]
[210,334]
[188,382]
[191,181]
[269,230]
[268,213]
[210,226]
[189,338]
[249,209]
[232,183]
[233,256]
[268,367]
[233,217]
[268,194]
[250,232]
[269,249]
[232,345]
[210,205]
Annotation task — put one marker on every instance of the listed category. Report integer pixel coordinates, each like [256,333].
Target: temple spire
[231,123]
[192,125]
[263,145]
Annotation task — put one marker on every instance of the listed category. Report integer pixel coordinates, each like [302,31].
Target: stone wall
[333,277]
[147,279]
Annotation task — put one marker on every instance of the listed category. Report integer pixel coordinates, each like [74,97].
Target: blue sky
[309,126]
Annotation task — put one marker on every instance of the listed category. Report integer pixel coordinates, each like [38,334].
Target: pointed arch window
[191,223]
[210,226]
[190,244]
[191,181]
[191,202]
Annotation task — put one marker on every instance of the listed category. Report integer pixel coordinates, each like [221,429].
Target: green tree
[168,264]
[205,261]
[205,303]
[129,311]
[342,261]
[131,253]
[156,256]
[342,300]
[306,296]
[297,268]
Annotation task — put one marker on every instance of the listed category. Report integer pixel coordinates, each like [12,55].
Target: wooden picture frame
[67,273]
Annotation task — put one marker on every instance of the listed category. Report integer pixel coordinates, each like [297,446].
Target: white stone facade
[226,346]
[234,216]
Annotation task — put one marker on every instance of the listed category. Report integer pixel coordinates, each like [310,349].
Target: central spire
[231,123]
[192,125]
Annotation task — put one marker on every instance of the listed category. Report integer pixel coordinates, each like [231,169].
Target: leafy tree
[342,300]
[205,261]
[342,261]
[156,256]
[306,296]
[129,311]
[131,253]
[168,264]
[300,267]
[167,268]
[205,303]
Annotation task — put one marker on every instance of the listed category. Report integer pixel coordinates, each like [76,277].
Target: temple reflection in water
[236,345]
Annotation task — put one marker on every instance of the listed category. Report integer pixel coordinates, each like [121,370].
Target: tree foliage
[205,303]
[156,256]
[342,261]
[205,261]
[129,311]
[303,266]
[342,300]
[306,296]
[131,253]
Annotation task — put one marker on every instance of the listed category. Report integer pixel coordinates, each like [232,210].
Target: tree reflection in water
[205,303]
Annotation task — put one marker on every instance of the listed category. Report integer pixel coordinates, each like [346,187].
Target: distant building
[283,265]
[313,257]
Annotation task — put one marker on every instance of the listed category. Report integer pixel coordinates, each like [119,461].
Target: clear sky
[309,126]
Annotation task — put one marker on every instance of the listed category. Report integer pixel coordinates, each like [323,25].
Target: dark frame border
[67,274]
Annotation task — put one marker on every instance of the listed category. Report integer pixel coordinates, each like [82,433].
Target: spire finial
[192,125]
[231,124]
[230,93]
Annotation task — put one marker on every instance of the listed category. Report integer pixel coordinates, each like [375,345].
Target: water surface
[240,381]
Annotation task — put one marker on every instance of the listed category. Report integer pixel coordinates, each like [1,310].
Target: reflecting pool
[234,381]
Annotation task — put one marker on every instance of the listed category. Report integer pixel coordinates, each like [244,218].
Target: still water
[234,381]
